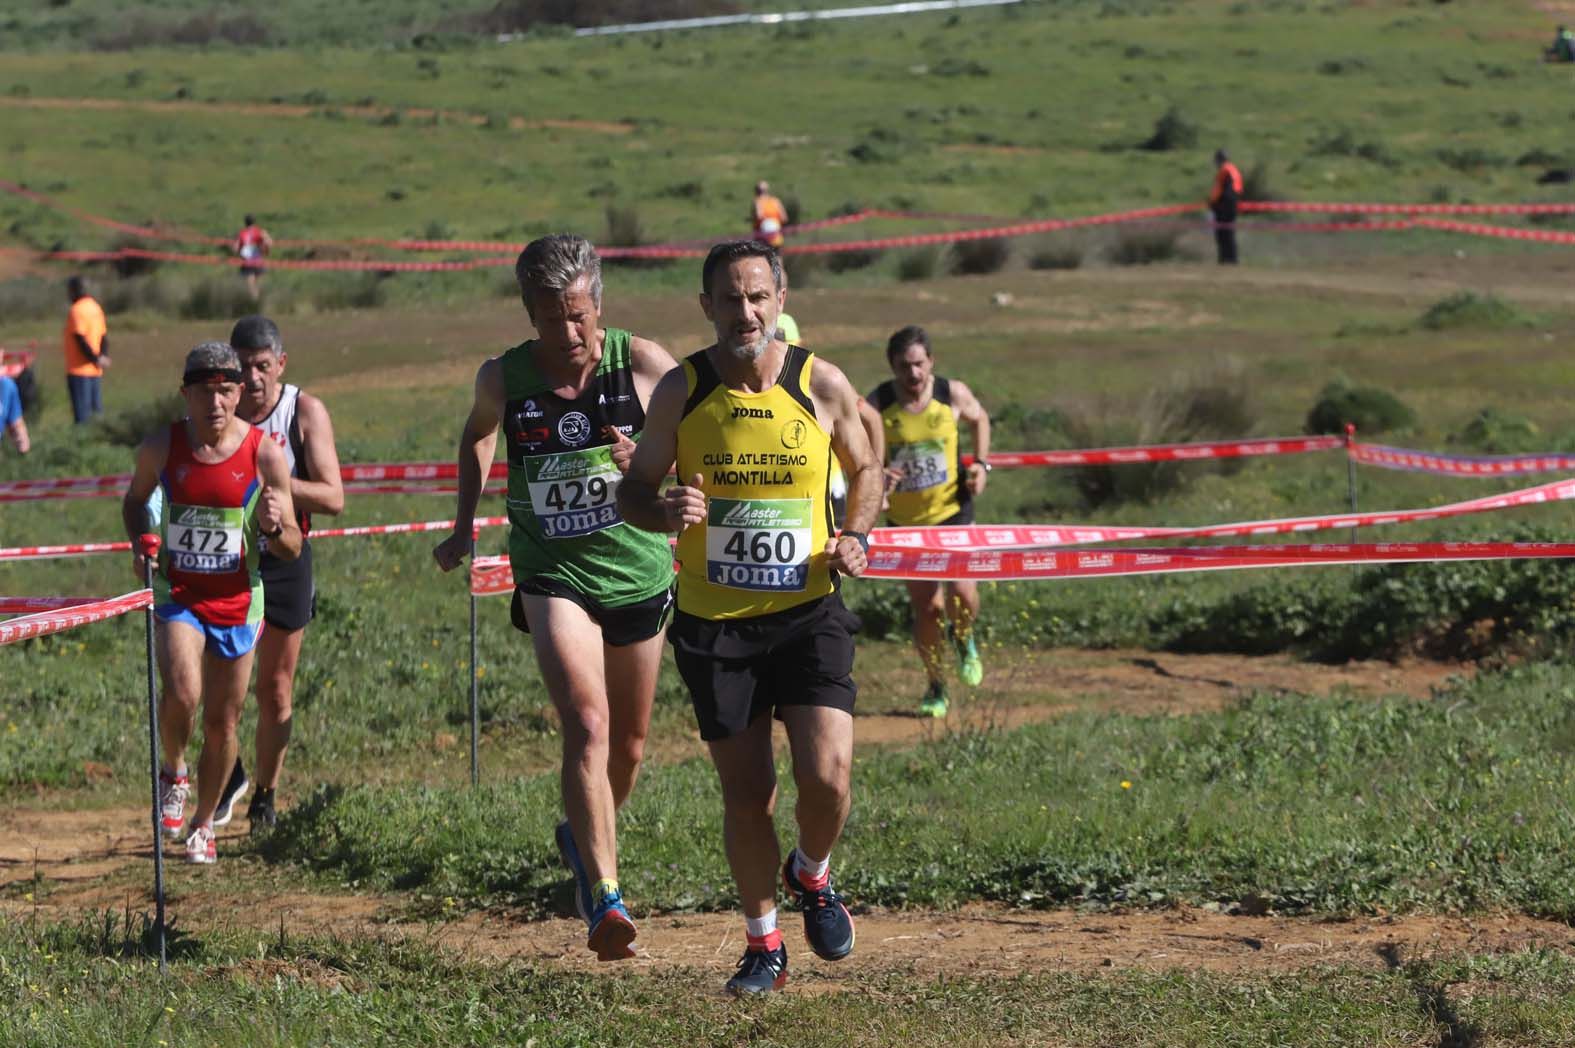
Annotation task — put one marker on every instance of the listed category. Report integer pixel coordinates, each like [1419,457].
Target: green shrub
[978,257]
[1171,131]
[1140,246]
[1372,410]
[920,264]
[1498,432]
[128,426]
[135,266]
[150,294]
[1056,256]
[1341,142]
[1467,309]
[803,270]
[218,298]
[1215,404]
[350,291]
[846,261]
[1470,159]
[1256,184]
[32,298]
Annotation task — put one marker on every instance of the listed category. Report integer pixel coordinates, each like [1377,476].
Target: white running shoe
[201,848]
[172,803]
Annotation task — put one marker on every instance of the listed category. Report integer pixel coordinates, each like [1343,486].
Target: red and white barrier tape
[44,623]
[1315,207]
[1026,565]
[1005,536]
[490,575]
[1384,457]
[29,605]
[1165,452]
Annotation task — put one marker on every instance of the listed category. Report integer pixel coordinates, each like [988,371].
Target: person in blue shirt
[11,419]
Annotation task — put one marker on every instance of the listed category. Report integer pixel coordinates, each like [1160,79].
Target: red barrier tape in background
[29,605]
[90,548]
[46,622]
[1407,459]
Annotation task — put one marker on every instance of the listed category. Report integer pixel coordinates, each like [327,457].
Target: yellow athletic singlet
[766,460]
[922,446]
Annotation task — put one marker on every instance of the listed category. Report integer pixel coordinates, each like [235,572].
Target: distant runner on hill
[252,244]
[767,215]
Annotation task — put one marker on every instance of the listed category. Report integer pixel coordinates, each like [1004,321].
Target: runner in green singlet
[592,592]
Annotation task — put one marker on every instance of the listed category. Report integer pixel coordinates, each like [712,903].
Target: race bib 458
[759,544]
[922,464]
[205,540]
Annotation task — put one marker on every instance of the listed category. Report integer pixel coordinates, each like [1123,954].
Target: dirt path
[284,109]
[86,861]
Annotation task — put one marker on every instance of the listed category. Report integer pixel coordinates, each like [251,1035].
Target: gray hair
[554,262]
[256,332]
[212,359]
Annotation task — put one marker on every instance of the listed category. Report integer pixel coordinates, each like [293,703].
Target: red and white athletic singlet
[283,427]
[208,560]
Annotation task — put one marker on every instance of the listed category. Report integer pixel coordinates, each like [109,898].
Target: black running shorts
[289,594]
[738,669]
[621,626]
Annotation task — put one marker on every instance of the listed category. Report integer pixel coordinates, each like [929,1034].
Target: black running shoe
[234,790]
[828,927]
[261,813]
[759,971]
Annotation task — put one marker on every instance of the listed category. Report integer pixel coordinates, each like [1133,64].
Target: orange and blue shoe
[828,926]
[760,971]
[612,930]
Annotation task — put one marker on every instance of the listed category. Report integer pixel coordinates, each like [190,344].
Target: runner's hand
[270,511]
[977,477]
[451,552]
[144,549]
[847,556]
[622,447]
[893,478]
[685,505]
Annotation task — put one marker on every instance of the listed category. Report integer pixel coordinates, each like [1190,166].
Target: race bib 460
[922,465]
[574,492]
[758,544]
[205,540]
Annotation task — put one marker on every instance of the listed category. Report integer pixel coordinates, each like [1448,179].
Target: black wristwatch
[981,462]
[862,539]
[275,533]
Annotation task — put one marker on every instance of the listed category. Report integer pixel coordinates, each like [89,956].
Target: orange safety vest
[86,319]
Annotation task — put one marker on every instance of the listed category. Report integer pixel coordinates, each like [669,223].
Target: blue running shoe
[571,861]
[828,926]
[611,929]
[759,971]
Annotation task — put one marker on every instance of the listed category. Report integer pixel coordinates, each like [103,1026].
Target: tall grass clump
[1141,246]
[1467,309]
[31,298]
[978,257]
[129,425]
[350,291]
[920,264]
[1499,433]
[1171,131]
[1213,404]
[218,298]
[1370,409]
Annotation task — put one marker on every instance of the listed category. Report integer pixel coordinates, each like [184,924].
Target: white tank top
[280,426]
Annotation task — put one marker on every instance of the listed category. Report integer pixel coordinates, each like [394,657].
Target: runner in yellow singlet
[753,424]
[927,486]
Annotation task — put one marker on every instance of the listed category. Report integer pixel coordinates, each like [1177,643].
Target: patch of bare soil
[281,109]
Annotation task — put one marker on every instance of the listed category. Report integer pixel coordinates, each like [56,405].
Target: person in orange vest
[87,351]
[1223,198]
[768,215]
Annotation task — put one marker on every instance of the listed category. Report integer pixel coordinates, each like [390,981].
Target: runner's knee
[585,727]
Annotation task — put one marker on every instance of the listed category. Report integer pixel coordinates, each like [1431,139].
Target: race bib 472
[205,540]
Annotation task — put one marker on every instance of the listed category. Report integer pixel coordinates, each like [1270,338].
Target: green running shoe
[970,667]
[934,702]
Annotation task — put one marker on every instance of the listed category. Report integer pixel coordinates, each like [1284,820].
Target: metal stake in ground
[153,771]
[1350,469]
[475,701]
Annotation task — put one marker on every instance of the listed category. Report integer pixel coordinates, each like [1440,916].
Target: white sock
[810,869]
[760,927]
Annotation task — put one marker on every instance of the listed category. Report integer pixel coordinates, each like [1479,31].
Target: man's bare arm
[641,501]
[971,412]
[152,453]
[837,404]
[275,508]
[477,443]
[325,492]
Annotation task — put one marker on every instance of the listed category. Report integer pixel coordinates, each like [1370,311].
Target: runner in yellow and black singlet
[752,425]
[927,485]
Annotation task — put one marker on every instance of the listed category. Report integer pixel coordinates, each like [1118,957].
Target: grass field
[1249,808]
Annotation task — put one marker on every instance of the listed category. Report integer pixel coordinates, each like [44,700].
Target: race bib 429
[574,492]
[759,544]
